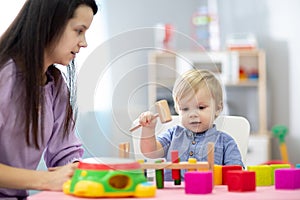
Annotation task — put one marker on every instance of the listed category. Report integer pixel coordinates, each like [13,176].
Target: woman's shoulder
[8,74]
[8,69]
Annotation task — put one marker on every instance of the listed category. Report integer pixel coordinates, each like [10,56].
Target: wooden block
[198,182]
[288,178]
[181,165]
[277,166]
[218,174]
[241,181]
[263,174]
[226,168]
[124,150]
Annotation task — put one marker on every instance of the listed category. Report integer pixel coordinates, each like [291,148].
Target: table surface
[170,191]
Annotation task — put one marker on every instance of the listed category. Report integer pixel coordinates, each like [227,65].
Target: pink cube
[198,182]
[241,181]
[288,178]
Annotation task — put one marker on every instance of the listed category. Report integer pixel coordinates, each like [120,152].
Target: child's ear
[176,109]
[219,109]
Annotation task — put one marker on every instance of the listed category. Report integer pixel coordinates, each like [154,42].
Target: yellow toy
[109,177]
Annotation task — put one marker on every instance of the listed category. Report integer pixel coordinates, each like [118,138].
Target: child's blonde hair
[193,80]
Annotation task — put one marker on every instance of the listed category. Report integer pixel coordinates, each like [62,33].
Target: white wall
[273,21]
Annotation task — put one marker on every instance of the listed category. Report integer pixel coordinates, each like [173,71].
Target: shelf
[245,83]
[246,87]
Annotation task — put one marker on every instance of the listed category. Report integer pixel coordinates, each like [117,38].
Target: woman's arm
[17,178]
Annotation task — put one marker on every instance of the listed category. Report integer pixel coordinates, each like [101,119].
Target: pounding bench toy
[164,113]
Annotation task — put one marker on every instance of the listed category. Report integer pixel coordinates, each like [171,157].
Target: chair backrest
[236,126]
[239,128]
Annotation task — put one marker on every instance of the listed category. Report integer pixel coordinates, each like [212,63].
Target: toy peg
[159,176]
[194,161]
[176,172]
[163,112]
[124,150]
[279,131]
[141,162]
[210,155]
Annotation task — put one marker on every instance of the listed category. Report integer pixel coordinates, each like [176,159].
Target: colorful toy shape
[227,168]
[198,182]
[176,175]
[109,177]
[159,176]
[263,174]
[288,178]
[240,181]
[277,166]
[218,174]
[279,131]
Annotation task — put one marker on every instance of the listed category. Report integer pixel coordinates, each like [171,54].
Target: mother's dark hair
[39,24]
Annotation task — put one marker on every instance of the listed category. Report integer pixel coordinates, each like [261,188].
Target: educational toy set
[108,177]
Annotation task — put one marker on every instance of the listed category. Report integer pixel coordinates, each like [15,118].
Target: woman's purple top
[13,148]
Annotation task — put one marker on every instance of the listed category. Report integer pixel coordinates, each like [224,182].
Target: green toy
[280,131]
[108,177]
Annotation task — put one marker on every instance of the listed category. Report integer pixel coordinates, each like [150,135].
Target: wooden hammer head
[163,110]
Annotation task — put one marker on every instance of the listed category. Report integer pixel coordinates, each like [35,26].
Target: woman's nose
[83,42]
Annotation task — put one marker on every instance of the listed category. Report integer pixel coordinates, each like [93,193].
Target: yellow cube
[263,174]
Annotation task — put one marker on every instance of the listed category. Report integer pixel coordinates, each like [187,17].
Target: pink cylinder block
[198,182]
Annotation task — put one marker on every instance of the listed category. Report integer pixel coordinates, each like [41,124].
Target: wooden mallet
[163,112]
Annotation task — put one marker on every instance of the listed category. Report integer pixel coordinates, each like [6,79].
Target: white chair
[236,126]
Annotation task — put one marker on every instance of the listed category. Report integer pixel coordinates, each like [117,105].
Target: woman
[36,115]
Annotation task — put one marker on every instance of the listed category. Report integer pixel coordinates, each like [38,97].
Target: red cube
[226,168]
[241,181]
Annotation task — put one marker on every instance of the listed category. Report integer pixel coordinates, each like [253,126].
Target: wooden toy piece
[198,182]
[279,131]
[297,165]
[217,174]
[164,113]
[145,170]
[227,168]
[163,110]
[210,155]
[176,176]
[159,176]
[181,165]
[288,178]
[240,181]
[124,150]
[277,166]
[263,174]
[192,161]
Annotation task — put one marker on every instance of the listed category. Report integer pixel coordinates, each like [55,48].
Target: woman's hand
[57,176]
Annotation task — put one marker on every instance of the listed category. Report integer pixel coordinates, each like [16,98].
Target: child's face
[198,110]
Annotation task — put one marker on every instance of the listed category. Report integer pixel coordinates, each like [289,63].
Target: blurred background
[119,71]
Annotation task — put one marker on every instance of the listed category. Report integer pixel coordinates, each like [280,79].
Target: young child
[198,100]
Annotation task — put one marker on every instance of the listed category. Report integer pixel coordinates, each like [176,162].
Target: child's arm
[150,147]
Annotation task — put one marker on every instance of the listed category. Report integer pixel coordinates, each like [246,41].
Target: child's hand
[148,119]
